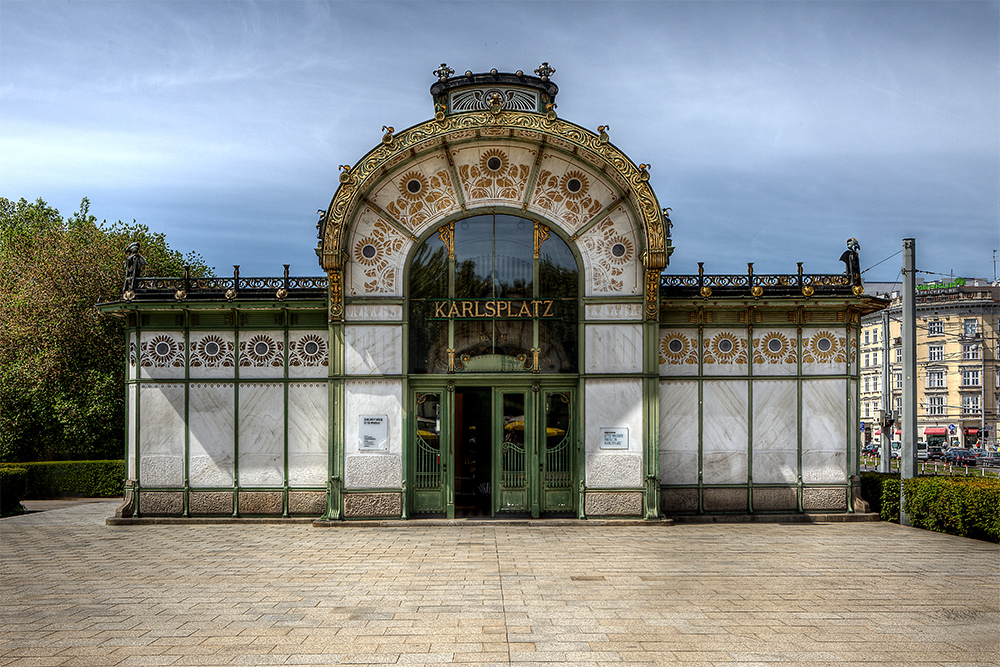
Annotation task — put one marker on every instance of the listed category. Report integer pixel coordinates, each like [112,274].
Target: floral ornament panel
[213,351]
[824,347]
[571,195]
[162,351]
[261,351]
[377,252]
[422,195]
[679,349]
[725,348]
[308,350]
[774,347]
[611,255]
[496,175]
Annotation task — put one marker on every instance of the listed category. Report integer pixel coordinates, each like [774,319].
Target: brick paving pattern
[74,591]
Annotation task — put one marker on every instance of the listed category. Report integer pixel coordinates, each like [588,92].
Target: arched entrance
[492,365]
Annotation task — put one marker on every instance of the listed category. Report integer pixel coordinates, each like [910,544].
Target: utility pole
[908,412]
[885,462]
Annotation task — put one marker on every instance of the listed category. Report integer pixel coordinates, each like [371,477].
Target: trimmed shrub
[963,506]
[12,485]
[72,479]
[967,507]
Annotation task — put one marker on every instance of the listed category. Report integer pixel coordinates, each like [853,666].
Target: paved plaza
[78,592]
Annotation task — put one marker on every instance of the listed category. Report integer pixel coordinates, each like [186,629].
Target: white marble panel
[725,432]
[854,433]
[130,394]
[824,431]
[373,469]
[608,273]
[824,351]
[678,445]
[613,348]
[678,352]
[613,403]
[775,432]
[373,349]
[161,435]
[377,252]
[161,355]
[262,355]
[775,351]
[262,434]
[307,433]
[210,440]
[725,352]
[308,354]
[372,312]
[619,312]
[212,355]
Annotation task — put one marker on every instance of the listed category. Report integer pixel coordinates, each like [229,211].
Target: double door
[489,451]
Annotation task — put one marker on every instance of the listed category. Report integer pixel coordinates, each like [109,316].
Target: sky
[775,130]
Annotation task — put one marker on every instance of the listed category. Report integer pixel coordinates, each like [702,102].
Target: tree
[62,363]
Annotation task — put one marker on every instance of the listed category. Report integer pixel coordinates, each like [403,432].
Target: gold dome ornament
[808,290]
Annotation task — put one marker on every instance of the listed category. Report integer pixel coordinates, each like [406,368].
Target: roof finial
[544,71]
[443,72]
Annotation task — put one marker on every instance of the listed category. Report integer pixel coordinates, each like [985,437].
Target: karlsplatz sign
[508,309]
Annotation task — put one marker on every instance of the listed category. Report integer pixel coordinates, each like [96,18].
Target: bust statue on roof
[850,259]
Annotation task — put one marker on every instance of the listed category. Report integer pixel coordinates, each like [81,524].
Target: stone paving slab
[74,591]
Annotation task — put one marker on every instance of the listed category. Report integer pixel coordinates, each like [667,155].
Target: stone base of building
[613,503]
[775,499]
[371,505]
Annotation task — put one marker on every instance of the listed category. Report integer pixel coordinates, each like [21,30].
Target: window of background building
[970,328]
[867,337]
[934,353]
[935,379]
[970,404]
[935,406]
[868,384]
[970,351]
[899,355]
[874,335]
[970,377]
[875,382]
[935,328]
[897,380]
[868,409]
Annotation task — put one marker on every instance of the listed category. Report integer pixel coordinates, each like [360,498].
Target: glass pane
[557,440]
[512,452]
[558,279]
[427,473]
[514,263]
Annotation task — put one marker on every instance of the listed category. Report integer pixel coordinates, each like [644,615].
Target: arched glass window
[493,293]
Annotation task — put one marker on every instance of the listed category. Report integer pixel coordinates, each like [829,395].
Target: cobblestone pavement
[78,592]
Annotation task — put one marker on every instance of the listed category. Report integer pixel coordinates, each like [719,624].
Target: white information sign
[373,433]
[614,438]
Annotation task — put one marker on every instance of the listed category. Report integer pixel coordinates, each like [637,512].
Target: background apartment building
[958,378]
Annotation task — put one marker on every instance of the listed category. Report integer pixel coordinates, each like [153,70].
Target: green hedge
[963,506]
[72,479]
[12,486]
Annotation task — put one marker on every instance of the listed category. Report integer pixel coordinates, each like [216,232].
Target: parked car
[870,449]
[959,457]
[934,453]
[989,459]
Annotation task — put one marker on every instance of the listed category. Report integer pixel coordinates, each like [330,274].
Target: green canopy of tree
[62,363]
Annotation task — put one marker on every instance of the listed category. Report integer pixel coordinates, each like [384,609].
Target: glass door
[514,454]
[429,456]
[557,455]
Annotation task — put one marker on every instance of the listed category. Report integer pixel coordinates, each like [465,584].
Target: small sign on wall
[614,438]
[373,433]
